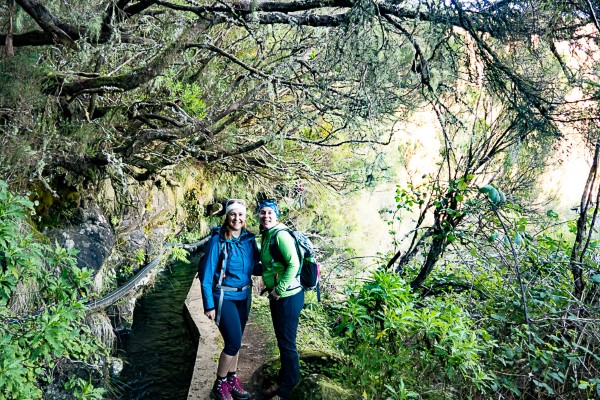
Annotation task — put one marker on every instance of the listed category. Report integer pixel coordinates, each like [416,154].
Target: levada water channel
[159,351]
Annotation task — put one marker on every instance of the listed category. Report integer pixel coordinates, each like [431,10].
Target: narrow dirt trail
[252,353]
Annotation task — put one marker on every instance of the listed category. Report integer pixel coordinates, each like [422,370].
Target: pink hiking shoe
[221,390]
[237,390]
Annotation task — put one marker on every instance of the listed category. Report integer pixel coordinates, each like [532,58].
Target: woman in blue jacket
[226,272]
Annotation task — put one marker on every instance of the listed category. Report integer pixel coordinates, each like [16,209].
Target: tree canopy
[268,87]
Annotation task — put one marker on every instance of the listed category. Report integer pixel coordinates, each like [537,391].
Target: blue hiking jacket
[242,262]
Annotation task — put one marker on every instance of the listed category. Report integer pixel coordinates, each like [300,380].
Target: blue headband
[269,203]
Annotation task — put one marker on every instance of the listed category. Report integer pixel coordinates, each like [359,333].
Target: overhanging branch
[240,150]
[131,80]
[48,22]
[246,66]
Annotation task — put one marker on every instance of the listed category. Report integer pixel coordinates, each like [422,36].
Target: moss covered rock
[315,363]
[320,387]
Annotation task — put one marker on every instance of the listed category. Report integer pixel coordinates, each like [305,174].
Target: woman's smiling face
[236,219]
[267,217]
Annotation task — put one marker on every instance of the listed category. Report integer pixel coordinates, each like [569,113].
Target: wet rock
[116,366]
[90,233]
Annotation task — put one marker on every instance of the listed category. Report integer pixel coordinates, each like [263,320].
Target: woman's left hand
[274,294]
[210,314]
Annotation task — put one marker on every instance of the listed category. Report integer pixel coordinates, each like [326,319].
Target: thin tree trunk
[438,244]
[580,243]
[8,43]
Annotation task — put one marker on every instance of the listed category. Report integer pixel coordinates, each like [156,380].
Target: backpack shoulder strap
[276,252]
[222,261]
[273,247]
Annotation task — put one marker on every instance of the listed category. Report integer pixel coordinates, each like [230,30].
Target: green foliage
[83,389]
[314,330]
[552,350]
[191,98]
[131,265]
[180,254]
[94,27]
[495,195]
[511,269]
[42,335]
[124,272]
[398,347]
[188,94]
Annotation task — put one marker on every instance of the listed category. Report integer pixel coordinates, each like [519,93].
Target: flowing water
[159,351]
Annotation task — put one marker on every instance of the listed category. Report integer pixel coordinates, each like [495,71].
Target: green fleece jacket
[281,276]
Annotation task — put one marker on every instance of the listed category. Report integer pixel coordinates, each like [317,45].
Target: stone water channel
[159,352]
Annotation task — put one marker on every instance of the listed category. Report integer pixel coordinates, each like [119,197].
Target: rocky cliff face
[90,233]
[122,227]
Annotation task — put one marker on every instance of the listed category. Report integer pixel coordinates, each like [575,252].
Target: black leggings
[234,315]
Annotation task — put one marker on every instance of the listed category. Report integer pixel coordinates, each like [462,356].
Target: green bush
[400,347]
[43,340]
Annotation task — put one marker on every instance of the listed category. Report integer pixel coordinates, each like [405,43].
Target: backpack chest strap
[234,289]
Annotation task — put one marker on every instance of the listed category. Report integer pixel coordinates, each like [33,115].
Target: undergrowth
[47,350]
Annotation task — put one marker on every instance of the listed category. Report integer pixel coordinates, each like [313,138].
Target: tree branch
[52,25]
[130,81]
[240,150]
[247,7]
[246,66]
[341,143]
[578,249]
[8,41]
[48,22]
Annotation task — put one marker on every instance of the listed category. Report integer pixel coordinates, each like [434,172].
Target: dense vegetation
[500,316]
[488,294]
[46,346]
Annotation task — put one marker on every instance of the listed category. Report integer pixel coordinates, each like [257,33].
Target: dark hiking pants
[285,313]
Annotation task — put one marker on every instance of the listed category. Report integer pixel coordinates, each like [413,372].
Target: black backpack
[310,271]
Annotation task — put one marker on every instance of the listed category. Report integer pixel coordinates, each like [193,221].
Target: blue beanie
[268,203]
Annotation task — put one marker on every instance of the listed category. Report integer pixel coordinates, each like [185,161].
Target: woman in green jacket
[286,296]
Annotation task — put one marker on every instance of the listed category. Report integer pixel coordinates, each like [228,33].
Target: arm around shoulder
[257,269]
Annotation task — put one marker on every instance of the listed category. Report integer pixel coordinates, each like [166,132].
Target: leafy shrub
[43,338]
[554,352]
[517,268]
[399,347]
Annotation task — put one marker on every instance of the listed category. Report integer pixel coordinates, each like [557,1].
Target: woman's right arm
[287,247]
[207,271]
